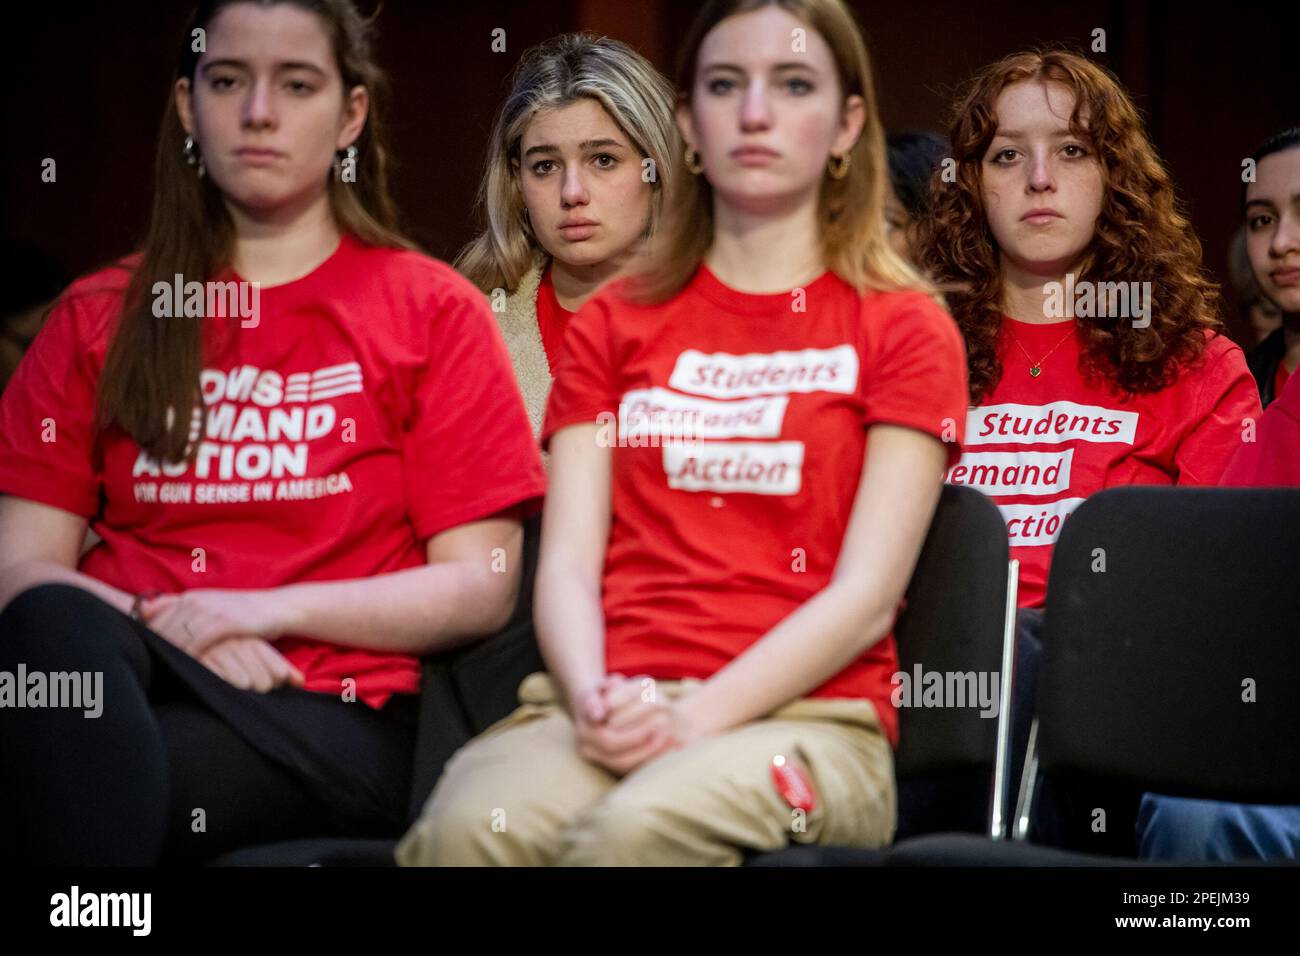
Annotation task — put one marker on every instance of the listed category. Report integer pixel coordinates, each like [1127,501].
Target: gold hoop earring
[838,166]
[693,162]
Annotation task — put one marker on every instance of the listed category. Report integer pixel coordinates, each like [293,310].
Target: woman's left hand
[197,620]
[634,705]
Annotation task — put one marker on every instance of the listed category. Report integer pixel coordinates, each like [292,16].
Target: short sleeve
[1227,405]
[468,450]
[584,386]
[914,369]
[1272,460]
[47,416]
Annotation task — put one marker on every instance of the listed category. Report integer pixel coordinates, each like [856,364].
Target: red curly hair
[1141,234]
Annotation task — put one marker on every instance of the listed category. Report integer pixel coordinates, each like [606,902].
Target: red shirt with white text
[1039,446]
[365,408]
[716,539]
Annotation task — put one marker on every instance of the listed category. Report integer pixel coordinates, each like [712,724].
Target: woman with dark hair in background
[1177,828]
[1275,263]
[914,158]
[299,429]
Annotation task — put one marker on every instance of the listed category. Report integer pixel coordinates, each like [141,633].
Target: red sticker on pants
[793,783]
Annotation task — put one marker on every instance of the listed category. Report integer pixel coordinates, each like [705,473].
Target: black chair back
[953,624]
[463,692]
[1171,646]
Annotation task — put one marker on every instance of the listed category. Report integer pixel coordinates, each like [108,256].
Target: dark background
[91,81]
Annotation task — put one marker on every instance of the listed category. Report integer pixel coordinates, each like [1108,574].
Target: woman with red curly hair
[1093,340]
[1094,343]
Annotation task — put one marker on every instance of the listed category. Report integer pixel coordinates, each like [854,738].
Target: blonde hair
[553,75]
[850,210]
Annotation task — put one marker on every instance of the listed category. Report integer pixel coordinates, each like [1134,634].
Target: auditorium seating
[1151,643]
[1166,666]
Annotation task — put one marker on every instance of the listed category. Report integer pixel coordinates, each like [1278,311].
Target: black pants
[180,766]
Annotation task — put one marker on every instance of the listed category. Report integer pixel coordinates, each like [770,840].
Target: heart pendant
[1035,371]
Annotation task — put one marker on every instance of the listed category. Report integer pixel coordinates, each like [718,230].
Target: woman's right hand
[250,663]
[590,705]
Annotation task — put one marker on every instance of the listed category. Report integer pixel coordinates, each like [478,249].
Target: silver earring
[193,157]
[349,157]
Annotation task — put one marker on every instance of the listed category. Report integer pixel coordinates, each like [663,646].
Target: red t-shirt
[1040,446]
[371,407]
[552,319]
[1272,460]
[714,542]
[1280,378]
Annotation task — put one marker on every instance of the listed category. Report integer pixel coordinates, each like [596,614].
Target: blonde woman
[716,614]
[573,186]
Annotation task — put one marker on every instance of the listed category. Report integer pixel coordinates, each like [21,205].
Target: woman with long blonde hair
[572,188]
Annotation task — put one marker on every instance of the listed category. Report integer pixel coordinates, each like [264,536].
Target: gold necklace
[1036,368]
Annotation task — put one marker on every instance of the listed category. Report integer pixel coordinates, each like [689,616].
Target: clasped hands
[228,631]
[621,723]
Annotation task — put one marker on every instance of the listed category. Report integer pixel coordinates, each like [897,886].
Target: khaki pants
[519,794]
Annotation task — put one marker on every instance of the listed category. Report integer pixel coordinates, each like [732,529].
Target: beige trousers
[520,795]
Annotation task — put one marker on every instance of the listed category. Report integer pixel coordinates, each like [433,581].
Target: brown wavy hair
[149,386]
[1142,233]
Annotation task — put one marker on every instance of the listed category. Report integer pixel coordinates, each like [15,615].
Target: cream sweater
[518,324]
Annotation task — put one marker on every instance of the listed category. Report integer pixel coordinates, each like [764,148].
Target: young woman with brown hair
[324,486]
